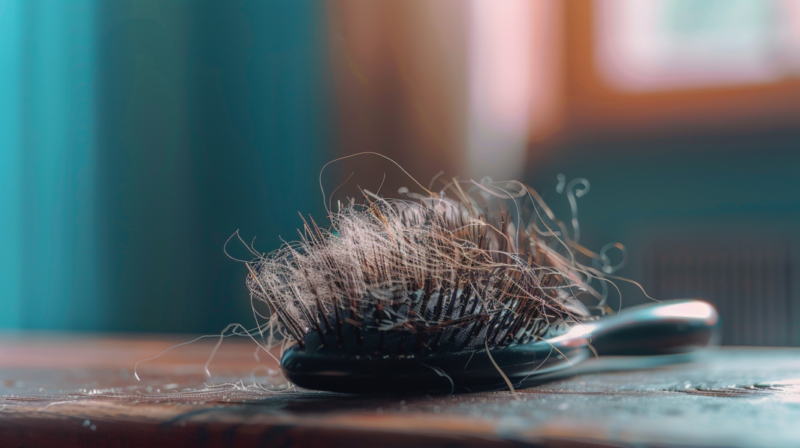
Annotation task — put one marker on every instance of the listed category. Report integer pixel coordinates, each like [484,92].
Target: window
[647,45]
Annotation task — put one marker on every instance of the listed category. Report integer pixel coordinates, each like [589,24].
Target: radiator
[750,283]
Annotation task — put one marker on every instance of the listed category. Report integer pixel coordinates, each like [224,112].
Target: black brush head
[328,369]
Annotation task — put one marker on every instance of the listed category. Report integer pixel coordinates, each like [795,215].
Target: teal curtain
[137,136]
[10,164]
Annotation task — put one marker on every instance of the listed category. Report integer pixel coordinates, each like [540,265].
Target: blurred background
[137,135]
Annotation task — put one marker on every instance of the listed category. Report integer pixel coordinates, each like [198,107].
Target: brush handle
[669,327]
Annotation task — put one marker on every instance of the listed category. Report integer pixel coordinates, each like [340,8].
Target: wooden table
[61,390]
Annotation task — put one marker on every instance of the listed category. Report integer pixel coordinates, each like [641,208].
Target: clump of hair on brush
[475,265]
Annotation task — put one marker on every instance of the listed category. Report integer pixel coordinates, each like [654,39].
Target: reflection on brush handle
[666,328]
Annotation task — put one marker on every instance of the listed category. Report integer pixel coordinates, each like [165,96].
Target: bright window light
[650,45]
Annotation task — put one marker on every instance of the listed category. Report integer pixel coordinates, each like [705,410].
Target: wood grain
[73,390]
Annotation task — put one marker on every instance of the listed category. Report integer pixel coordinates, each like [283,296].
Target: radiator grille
[750,283]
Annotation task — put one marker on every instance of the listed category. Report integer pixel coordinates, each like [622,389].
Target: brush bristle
[422,276]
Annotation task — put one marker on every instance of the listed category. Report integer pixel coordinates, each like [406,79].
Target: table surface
[73,390]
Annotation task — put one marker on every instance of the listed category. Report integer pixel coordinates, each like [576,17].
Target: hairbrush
[668,328]
[475,288]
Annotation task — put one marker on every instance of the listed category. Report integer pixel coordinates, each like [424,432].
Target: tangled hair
[475,265]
